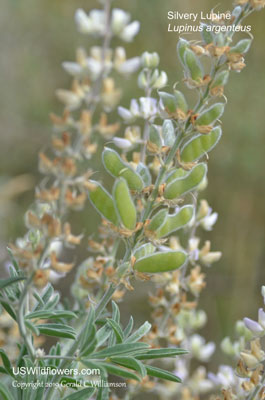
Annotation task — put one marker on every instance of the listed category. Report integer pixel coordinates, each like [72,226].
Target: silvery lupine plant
[150,231]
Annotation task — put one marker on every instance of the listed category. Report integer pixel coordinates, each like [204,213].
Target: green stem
[20,318]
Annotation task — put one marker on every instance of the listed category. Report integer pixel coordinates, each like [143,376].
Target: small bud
[253,326]
[237,11]
[250,360]
[150,60]
[121,143]
[161,81]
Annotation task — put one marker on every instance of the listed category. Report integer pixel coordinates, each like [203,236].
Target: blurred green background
[38,35]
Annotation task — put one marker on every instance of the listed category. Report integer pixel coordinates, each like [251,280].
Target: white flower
[263,293]
[94,23]
[119,20]
[161,81]
[71,100]
[83,22]
[72,68]
[257,328]
[211,257]
[148,107]
[125,114]
[130,31]
[129,66]
[208,222]
[200,349]
[121,143]
[224,378]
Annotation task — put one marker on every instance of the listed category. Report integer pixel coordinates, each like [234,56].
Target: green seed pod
[193,65]
[154,136]
[161,262]
[241,47]
[221,79]
[180,186]
[144,173]
[103,202]
[196,147]
[157,220]
[176,221]
[181,49]
[206,34]
[144,250]
[176,173]
[124,204]
[169,102]
[181,101]
[118,168]
[210,115]
[219,39]
[168,133]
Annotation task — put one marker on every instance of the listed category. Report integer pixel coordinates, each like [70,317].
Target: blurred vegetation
[37,36]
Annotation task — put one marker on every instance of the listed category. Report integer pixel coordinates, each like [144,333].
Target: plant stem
[20,318]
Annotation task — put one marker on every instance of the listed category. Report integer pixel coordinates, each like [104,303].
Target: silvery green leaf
[123,348]
[168,133]
[144,173]
[137,335]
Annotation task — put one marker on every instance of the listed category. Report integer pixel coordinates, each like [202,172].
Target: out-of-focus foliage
[36,36]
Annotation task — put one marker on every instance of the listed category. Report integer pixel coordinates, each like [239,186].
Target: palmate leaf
[116,329]
[118,371]
[83,394]
[132,363]
[137,335]
[57,330]
[160,353]
[5,393]
[10,281]
[162,374]
[6,362]
[123,348]
[50,314]
[9,309]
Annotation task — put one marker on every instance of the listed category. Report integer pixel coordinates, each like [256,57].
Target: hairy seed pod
[124,204]
[154,136]
[169,102]
[181,101]
[221,79]
[144,250]
[118,168]
[144,173]
[161,262]
[206,34]
[175,221]
[181,48]
[193,65]
[176,173]
[219,39]
[241,47]
[181,186]
[103,202]
[157,220]
[196,147]
[168,133]
[210,115]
